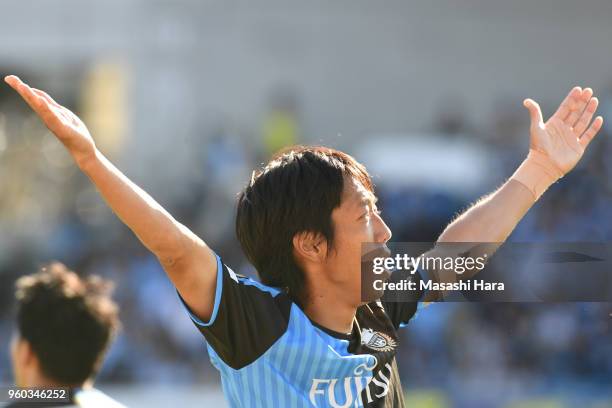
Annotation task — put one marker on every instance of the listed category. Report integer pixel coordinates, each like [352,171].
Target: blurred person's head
[302,219]
[64,327]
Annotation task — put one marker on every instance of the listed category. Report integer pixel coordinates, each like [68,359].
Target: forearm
[152,224]
[480,230]
[492,218]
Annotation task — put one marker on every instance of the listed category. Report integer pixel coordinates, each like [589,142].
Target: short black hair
[69,322]
[295,192]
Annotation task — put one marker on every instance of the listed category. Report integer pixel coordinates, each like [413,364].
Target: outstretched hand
[565,136]
[66,126]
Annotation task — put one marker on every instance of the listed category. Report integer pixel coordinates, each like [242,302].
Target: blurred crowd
[473,353]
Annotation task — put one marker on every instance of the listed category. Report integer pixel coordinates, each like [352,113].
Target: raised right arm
[187,260]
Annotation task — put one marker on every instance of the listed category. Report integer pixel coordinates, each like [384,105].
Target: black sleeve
[247,318]
[401,306]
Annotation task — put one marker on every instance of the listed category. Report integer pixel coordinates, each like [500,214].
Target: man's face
[356,221]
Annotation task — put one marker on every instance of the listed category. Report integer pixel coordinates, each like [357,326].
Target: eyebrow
[370,198]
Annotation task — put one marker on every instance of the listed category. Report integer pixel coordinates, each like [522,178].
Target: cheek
[347,257]
[347,243]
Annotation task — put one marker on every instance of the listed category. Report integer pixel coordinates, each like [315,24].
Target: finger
[38,104]
[46,97]
[10,78]
[586,117]
[569,102]
[581,104]
[28,95]
[591,132]
[535,112]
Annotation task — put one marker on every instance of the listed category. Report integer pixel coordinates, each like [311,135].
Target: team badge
[377,341]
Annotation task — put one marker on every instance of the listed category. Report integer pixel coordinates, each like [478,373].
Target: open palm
[565,136]
[66,126]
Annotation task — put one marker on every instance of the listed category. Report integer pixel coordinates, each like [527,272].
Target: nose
[383,233]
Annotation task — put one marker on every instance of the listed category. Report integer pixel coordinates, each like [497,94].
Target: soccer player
[65,324]
[304,336]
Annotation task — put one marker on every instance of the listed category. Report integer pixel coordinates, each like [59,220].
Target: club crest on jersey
[377,341]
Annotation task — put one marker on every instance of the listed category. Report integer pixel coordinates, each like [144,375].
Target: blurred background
[188,97]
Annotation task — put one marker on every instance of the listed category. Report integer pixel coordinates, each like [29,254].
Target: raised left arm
[555,148]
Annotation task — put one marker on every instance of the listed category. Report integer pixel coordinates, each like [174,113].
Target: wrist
[537,173]
[85,161]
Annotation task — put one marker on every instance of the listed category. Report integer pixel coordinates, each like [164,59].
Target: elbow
[169,249]
[179,248]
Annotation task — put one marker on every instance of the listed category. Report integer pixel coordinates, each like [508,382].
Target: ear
[310,246]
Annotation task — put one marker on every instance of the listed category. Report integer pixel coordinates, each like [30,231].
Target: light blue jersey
[270,354]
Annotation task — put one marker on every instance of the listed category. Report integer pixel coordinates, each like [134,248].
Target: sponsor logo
[377,386]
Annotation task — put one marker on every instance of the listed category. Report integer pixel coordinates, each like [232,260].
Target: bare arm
[188,262]
[493,217]
[555,148]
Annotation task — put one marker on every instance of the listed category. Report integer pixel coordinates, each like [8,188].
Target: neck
[38,380]
[330,311]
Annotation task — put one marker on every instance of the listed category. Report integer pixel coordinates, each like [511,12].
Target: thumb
[534,112]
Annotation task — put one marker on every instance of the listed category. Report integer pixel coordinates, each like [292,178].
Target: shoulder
[250,282]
